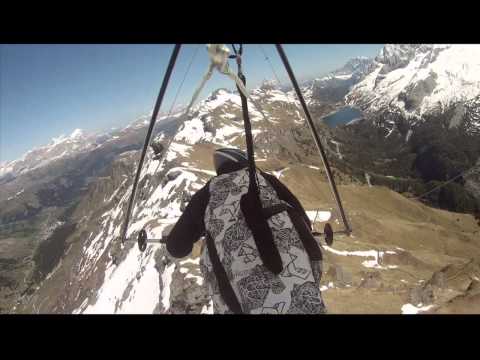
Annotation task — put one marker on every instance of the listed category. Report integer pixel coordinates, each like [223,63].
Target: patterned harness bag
[238,281]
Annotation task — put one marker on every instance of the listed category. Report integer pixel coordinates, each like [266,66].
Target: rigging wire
[183,80]
[464,174]
[270,63]
[174,102]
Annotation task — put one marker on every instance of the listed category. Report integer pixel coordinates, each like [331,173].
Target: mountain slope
[164,188]
[393,236]
[334,86]
[419,79]
[36,204]
[400,247]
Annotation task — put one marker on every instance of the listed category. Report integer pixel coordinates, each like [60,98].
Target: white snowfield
[132,287]
[167,281]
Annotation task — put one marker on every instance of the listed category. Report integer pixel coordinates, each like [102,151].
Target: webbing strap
[306,236]
[226,289]
[250,202]
[274,210]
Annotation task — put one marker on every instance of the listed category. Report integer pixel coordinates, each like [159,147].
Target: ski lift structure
[219,55]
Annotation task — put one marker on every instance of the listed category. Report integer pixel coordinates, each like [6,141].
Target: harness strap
[275,209]
[306,236]
[226,289]
[250,202]
[303,230]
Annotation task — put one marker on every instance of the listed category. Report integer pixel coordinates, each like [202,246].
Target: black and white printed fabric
[296,290]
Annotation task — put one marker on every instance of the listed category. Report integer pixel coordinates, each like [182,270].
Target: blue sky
[49,90]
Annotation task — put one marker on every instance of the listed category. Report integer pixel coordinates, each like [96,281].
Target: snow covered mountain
[418,79]
[334,86]
[98,275]
[60,147]
[68,146]
[393,262]
[36,201]
[166,186]
[142,282]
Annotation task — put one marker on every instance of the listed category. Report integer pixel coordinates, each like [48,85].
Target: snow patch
[279,173]
[166,281]
[328,286]
[77,133]
[175,150]
[195,261]
[192,132]
[321,217]
[207,309]
[199,279]
[226,131]
[409,309]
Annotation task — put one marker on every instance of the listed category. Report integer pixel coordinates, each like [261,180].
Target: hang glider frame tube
[153,119]
[316,137]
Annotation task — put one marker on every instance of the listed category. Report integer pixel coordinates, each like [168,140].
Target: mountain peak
[59,147]
[77,133]
[358,66]
[269,85]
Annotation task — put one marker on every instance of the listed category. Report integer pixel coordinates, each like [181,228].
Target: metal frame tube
[331,181]
[153,119]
